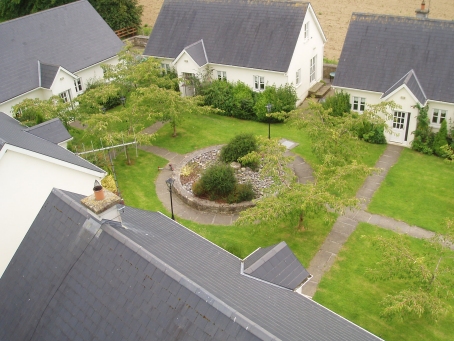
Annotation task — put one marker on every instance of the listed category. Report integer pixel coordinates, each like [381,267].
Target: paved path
[342,228]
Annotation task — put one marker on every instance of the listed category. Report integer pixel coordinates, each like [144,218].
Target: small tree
[339,103]
[283,99]
[34,111]
[423,141]
[440,139]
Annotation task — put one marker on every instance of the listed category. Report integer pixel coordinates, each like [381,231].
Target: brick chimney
[103,203]
[422,13]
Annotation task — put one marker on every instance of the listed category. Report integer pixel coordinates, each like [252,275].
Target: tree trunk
[300,221]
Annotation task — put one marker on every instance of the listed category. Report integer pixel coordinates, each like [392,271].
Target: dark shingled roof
[53,131]
[13,133]
[412,82]
[76,277]
[252,34]
[278,265]
[379,50]
[73,36]
[47,74]
[198,53]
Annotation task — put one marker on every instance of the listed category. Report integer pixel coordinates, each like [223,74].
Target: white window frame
[78,85]
[298,77]
[306,31]
[438,116]
[222,75]
[313,69]
[359,104]
[165,68]
[65,96]
[259,83]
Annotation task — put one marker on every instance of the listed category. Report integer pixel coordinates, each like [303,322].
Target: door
[187,87]
[399,127]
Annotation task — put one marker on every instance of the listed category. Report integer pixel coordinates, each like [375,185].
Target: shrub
[441,139]
[282,99]
[423,141]
[242,192]
[239,146]
[375,135]
[218,181]
[339,104]
[243,102]
[197,189]
[219,94]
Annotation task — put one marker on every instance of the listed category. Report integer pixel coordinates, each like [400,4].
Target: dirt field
[334,15]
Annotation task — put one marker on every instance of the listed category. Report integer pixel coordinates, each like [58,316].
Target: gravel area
[193,169]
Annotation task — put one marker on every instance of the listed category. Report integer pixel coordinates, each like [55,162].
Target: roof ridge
[267,256]
[192,286]
[28,129]
[403,17]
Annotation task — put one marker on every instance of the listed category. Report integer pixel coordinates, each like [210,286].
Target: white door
[399,127]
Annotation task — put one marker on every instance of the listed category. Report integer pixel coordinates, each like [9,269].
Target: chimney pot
[98,190]
[423,5]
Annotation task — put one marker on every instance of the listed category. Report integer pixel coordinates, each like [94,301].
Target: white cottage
[53,52]
[403,59]
[257,42]
[32,162]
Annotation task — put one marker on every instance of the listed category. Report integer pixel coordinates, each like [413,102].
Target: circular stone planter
[202,204]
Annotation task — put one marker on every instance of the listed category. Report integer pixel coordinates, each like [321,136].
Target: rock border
[202,204]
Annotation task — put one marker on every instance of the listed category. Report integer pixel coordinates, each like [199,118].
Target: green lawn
[348,291]
[417,190]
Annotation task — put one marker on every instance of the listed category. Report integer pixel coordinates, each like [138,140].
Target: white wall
[306,49]
[25,183]
[6,107]
[449,107]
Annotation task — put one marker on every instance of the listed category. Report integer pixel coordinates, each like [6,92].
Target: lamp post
[123,100]
[268,108]
[103,110]
[169,183]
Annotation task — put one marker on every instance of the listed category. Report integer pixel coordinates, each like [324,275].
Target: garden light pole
[123,100]
[268,108]
[169,183]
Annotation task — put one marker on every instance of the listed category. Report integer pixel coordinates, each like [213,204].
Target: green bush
[218,181]
[441,139]
[243,102]
[282,99]
[219,94]
[239,146]
[375,135]
[339,104]
[424,137]
[242,192]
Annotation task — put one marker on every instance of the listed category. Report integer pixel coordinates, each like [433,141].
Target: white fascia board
[249,68]
[71,138]
[317,23]
[25,93]
[441,102]
[403,86]
[181,55]
[46,158]
[98,63]
[353,89]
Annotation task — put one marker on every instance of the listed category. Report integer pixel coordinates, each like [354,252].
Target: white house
[30,166]
[403,59]
[257,42]
[53,52]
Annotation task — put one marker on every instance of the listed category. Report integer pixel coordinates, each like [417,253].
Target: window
[66,97]
[359,103]
[259,83]
[222,75]
[306,31]
[312,69]
[398,120]
[78,85]
[165,67]
[438,116]
[298,76]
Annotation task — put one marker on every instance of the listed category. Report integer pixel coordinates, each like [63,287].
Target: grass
[330,61]
[417,190]
[348,291]
[137,183]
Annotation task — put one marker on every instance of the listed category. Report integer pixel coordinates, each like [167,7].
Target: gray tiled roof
[47,74]
[198,53]
[277,265]
[15,134]
[77,278]
[73,36]
[412,82]
[53,131]
[380,49]
[252,34]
